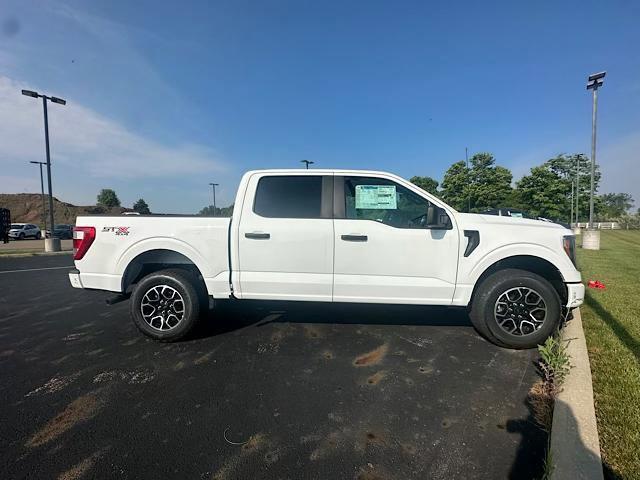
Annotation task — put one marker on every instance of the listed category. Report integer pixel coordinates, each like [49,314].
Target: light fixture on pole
[44,212]
[307,163]
[213,186]
[595,81]
[52,244]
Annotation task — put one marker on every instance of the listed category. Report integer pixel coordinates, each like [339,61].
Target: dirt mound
[27,208]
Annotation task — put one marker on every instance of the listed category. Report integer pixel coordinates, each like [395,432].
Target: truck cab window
[289,197]
[384,201]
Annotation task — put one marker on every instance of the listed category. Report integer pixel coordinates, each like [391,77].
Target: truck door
[285,238]
[384,250]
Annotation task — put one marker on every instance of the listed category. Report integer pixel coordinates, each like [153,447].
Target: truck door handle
[258,235]
[354,238]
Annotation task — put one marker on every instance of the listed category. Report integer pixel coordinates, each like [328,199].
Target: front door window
[384,201]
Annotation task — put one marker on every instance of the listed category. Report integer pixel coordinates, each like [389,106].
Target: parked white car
[21,231]
[334,236]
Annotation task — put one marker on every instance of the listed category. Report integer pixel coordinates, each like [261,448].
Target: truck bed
[202,241]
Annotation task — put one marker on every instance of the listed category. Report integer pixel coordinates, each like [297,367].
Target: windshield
[16,225]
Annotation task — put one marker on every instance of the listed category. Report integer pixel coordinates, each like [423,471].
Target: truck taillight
[83,237]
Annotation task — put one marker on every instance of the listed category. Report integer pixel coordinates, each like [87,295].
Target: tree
[208,211]
[543,193]
[141,207]
[628,221]
[565,167]
[614,205]
[108,198]
[428,184]
[482,186]
[455,186]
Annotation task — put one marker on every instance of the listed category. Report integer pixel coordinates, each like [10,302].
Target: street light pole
[571,216]
[307,163]
[44,211]
[213,186]
[46,141]
[577,188]
[591,240]
[466,159]
[595,81]
[53,245]
[593,151]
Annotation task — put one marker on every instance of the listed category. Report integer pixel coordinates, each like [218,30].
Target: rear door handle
[258,235]
[354,238]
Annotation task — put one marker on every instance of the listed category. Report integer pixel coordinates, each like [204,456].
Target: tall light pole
[466,159]
[53,245]
[213,186]
[577,188]
[571,216]
[595,81]
[591,239]
[307,163]
[44,212]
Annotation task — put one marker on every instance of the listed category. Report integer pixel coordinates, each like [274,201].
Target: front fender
[556,257]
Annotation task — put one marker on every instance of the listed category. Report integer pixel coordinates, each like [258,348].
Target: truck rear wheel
[516,309]
[165,305]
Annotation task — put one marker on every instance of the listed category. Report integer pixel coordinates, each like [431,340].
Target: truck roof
[321,171]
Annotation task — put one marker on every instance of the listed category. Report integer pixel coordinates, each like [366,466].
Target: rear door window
[289,197]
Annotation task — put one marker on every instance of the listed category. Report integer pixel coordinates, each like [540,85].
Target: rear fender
[163,243]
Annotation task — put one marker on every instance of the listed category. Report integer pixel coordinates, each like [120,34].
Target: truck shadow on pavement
[228,316]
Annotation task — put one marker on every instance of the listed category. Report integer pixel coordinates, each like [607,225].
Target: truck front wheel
[516,309]
[165,305]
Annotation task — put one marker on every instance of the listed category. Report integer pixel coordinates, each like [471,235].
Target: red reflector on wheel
[83,237]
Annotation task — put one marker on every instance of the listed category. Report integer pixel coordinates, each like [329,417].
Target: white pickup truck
[334,236]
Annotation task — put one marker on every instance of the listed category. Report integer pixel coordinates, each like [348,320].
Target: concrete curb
[575,448]
[34,254]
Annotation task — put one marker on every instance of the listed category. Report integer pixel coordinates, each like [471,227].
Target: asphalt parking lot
[30,245]
[262,390]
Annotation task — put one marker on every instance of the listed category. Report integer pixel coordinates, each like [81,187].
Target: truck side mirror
[437,218]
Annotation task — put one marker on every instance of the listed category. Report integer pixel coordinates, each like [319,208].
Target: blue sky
[164,97]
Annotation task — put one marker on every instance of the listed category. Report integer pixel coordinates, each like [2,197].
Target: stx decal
[117,230]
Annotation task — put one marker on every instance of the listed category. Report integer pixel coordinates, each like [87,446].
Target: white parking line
[35,269]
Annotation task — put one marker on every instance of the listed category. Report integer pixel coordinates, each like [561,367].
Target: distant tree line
[546,191]
[107,198]
[209,211]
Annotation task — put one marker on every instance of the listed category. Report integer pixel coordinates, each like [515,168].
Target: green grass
[611,320]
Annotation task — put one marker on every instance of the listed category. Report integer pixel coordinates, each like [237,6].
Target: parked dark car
[62,231]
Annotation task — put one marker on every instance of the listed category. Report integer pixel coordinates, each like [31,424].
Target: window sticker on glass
[377,197]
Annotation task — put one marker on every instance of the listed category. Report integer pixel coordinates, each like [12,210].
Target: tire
[528,312]
[21,236]
[38,236]
[181,308]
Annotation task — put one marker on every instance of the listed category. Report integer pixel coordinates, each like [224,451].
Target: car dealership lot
[315,391]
